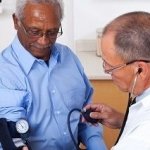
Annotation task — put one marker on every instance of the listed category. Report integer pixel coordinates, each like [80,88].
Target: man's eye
[32,32]
[52,33]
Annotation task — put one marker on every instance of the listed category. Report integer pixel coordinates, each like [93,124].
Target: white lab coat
[136,135]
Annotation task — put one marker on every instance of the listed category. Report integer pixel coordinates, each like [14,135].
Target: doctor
[126,57]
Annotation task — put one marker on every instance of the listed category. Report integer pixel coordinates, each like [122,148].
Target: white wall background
[7,31]
[92,14]
[82,18]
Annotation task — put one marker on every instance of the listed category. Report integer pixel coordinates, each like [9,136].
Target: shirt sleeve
[14,97]
[90,135]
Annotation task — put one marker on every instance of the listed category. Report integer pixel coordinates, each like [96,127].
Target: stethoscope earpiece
[139,70]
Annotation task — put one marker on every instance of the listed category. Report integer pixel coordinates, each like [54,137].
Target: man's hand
[106,114]
[25,148]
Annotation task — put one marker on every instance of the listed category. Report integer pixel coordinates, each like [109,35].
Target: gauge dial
[22,126]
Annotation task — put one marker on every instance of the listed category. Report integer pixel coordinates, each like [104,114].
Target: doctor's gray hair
[20,5]
[131,35]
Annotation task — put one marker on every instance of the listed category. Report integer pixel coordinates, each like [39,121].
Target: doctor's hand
[106,114]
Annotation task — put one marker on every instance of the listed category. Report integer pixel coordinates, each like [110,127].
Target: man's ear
[143,69]
[15,19]
[140,70]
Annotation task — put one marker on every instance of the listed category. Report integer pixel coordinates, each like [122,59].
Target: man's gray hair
[131,35]
[20,5]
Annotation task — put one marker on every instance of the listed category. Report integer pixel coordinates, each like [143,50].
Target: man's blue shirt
[44,95]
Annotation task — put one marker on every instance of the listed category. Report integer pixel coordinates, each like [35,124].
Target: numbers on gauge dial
[22,126]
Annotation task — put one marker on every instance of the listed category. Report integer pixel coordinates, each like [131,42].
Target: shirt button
[65,133]
[57,112]
[53,91]
[41,61]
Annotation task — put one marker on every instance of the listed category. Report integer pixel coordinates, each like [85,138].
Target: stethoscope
[131,94]
[131,100]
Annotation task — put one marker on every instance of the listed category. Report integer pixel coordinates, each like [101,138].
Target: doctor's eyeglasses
[36,33]
[115,68]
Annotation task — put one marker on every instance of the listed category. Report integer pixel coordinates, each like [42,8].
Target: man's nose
[44,40]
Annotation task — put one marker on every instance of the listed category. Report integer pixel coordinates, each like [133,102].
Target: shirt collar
[25,59]
[56,53]
[144,98]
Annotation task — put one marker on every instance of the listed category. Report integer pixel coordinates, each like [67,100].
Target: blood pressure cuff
[7,132]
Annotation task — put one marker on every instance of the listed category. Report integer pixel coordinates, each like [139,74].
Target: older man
[42,81]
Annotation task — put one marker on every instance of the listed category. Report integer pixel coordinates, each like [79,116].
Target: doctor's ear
[142,69]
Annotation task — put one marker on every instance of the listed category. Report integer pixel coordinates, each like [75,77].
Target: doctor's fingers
[107,119]
[95,107]
[106,116]
[99,115]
